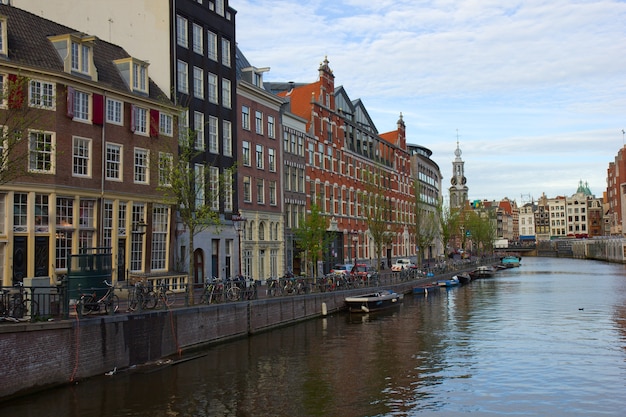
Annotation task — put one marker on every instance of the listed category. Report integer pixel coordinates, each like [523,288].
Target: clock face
[464,180]
[453,180]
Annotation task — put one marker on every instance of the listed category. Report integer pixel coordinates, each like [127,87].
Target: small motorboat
[511,261]
[425,288]
[464,278]
[375,301]
[485,271]
[452,282]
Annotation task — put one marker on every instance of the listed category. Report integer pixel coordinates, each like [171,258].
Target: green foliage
[449,223]
[377,211]
[311,236]
[427,226]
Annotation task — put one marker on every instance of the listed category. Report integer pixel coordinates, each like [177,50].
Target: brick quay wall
[37,356]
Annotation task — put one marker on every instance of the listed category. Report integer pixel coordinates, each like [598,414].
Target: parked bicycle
[164,296]
[141,297]
[273,287]
[17,304]
[89,303]
[213,291]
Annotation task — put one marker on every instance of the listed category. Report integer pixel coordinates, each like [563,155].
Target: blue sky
[536,89]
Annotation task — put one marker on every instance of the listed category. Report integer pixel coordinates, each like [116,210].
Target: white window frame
[41,94]
[212,45]
[141,121]
[41,154]
[213,135]
[198,83]
[245,117]
[166,164]
[271,127]
[141,166]
[114,161]
[259,155]
[198,127]
[226,61]
[200,185]
[140,77]
[182,75]
[258,122]
[227,138]
[212,88]
[226,91]
[81,157]
[166,124]
[245,153]
[214,184]
[182,31]
[198,44]
[82,107]
[114,111]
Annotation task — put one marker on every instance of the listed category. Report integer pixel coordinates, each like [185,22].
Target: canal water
[545,339]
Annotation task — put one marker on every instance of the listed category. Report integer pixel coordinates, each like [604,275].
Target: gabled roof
[28,45]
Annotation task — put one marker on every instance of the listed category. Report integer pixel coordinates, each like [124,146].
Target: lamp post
[238,223]
[354,236]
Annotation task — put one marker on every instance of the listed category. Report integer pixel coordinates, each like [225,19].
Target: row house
[95,138]
[260,174]
[616,193]
[341,148]
[190,45]
[527,223]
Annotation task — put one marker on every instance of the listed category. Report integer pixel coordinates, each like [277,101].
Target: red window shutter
[154,123]
[132,118]
[16,92]
[70,102]
[97,116]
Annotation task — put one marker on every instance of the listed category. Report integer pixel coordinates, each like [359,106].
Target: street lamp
[239,223]
[355,240]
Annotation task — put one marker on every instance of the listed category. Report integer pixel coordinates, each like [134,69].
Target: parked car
[364,271]
[402,264]
[342,269]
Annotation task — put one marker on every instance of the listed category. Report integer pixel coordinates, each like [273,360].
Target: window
[81,106]
[228,191]
[80,57]
[20,212]
[212,87]
[214,184]
[245,117]
[181,31]
[136,243]
[166,164]
[271,127]
[41,152]
[227,138]
[140,77]
[159,236]
[245,152]
[260,191]
[141,166]
[182,75]
[140,120]
[198,46]
[258,117]
[219,7]
[198,127]
[200,183]
[63,248]
[273,193]
[3,36]
[166,122]
[226,101]
[226,52]
[65,212]
[114,111]
[213,144]
[183,128]
[271,155]
[259,156]
[41,213]
[86,214]
[246,190]
[198,83]
[41,94]
[107,224]
[81,161]
[113,162]
[212,45]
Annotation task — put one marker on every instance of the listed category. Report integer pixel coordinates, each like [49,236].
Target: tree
[311,237]
[377,211]
[481,225]
[426,225]
[16,118]
[449,222]
[189,187]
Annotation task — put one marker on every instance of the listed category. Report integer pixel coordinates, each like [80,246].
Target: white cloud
[535,88]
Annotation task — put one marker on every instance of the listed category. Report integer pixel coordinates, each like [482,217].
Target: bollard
[324,309]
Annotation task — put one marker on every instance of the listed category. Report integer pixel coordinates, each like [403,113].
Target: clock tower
[458,188]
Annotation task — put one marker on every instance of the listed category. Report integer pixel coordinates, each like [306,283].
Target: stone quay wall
[36,356]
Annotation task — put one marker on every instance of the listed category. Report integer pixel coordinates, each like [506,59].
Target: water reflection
[544,339]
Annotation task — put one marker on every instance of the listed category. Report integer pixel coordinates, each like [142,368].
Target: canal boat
[484,271]
[452,282]
[511,261]
[464,278]
[379,300]
[425,288]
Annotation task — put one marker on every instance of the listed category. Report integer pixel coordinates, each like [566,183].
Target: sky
[534,91]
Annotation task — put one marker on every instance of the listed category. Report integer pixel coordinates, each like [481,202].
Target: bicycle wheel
[112,304]
[149,300]
[233,293]
[206,296]
[16,309]
[133,301]
[33,307]
[169,298]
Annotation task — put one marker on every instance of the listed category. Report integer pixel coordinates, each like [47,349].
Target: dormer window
[3,36]
[76,51]
[135,73]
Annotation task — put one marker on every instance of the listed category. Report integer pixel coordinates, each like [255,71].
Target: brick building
[98,133]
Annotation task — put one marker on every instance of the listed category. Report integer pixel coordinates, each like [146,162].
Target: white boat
[375,301]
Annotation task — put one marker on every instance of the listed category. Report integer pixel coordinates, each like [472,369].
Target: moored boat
[366,303]
[511,261]
[464,278]
[425,288]
[485,271]
[452,282]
